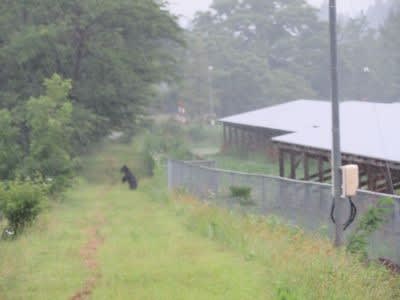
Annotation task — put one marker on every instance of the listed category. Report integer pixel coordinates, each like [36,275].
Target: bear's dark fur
[128,176]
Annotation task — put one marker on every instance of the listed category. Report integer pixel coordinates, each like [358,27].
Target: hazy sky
[187,8]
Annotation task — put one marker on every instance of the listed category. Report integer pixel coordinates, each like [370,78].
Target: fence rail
[300,203]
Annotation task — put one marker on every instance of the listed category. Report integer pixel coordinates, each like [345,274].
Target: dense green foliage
[114,51]
[10,151]
[241,194]
[49,120]
[369,223]
[36,139]
[21,202]
[36,143]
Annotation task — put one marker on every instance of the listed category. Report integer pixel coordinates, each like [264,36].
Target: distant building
[300,131]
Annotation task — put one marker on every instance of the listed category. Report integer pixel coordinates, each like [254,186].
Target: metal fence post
[170,173]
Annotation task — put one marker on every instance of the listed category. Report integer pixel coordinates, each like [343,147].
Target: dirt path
[88,254]
[89,250]
[95,240]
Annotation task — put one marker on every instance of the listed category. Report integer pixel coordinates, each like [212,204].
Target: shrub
[370,222]
[242,194]
[21,202]
[169,142]
[50,127]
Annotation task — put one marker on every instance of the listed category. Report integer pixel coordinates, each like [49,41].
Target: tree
[360,61]
[113,50]
[10,151]
[390,45]
[263,53]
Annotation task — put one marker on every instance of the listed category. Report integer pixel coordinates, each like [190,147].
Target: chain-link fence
[304,204]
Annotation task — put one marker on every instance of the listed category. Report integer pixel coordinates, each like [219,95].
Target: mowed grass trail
[144,252]
[106,242]
[149,254]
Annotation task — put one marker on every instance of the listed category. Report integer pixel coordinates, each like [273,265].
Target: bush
[370,222]
[242,194]
[167,141]
[21,202]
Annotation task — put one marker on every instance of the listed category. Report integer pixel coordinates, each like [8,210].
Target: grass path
[149,254]
[89,254]
[122,245]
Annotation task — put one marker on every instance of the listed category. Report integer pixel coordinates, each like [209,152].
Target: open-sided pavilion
[300,131]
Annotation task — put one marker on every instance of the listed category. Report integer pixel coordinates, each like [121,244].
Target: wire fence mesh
[299,203]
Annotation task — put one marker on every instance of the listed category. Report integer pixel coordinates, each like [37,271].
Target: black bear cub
[128,176]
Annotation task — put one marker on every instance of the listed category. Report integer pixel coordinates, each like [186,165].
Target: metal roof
[367,129]
[291,116]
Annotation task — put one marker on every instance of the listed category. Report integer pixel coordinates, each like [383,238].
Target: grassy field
[106,242]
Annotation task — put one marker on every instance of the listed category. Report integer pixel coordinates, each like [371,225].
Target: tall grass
[298,264]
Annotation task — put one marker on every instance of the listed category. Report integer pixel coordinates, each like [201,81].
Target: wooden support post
[389,183]
[236,134]
[292,165]
[372,178]
[243,141]
[281,163]
[225,137]
[230,135]
[321,169]
[306,167]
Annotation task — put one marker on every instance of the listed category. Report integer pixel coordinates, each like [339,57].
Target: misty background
[247,54]
[187,9]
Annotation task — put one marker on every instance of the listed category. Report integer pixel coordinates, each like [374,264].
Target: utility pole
[336,152]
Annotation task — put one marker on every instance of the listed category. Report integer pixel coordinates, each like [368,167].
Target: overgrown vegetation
[368,224]
[242,194]
[37,144]
[21,202]
[166,140]
[298,265]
